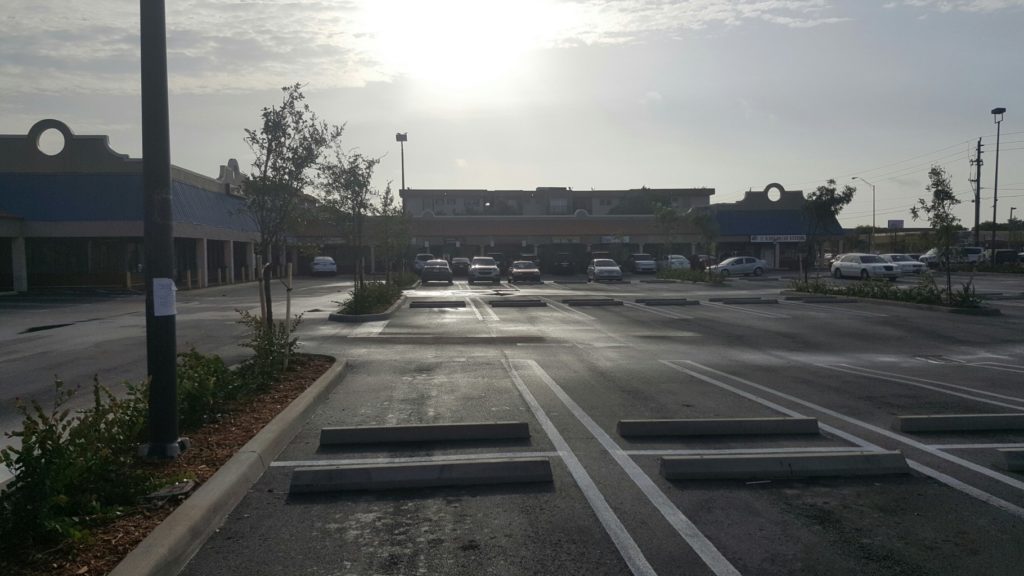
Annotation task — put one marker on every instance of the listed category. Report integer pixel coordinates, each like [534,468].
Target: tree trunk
[266,295]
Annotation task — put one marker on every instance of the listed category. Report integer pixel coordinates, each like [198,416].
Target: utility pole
[997,116]
[161,341]
[977,194]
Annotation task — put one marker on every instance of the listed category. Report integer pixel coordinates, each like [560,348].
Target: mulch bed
[212,446]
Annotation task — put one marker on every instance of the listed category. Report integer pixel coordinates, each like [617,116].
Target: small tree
[939,212]
[671,223]
[706,224]
[394,229]
[821,209]
[347,186]
[287,146]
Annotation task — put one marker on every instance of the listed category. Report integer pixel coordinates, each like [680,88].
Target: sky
[604,94]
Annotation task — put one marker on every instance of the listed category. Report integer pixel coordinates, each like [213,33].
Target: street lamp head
[998,112]
[401,137]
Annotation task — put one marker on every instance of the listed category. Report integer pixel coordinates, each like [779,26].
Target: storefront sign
[779,238]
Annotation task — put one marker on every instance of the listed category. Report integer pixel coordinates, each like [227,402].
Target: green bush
[372,298]
[71,471]
[926,291]
[205,386]
[272,346]
[405,279]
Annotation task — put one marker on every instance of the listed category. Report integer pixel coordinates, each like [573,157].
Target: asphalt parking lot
[572,372]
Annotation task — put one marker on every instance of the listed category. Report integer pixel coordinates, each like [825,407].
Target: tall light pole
[402,138]
[871,236]
[997,116]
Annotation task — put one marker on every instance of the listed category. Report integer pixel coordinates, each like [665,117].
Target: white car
[640,263]
[421,259]
[674,262]
[905,264]
[864,266]
[740,265]
[484,268]
[603,269]
[324,265]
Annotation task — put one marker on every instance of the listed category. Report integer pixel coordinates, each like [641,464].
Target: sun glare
[462,47]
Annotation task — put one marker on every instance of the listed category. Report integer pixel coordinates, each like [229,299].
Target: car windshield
[482,261]
[437,263]
[732,261]
[424,257]
[323,260]
[899,257]
[523,265]
[869,259]
[603,263]
[642,257]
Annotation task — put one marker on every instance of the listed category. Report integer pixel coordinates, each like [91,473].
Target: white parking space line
[625,544]
[729,451]
[472,306]
[480,304]
[869,371]
[977,446]
[941,477]
[873,374]
[739,308]
[566,309]
[658,311]
[411,460]
[366,329]
[835,309]
[998,366]
[683,525]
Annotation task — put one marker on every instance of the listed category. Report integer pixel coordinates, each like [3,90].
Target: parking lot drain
[960,422]
[425,433]
[744,300]
[1013,459]
[784,466]
[717,427]
[437,304]
[427,475]
[592,302]
[517,303]
[667,302]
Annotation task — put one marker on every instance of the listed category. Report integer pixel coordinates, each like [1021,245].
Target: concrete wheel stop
[667,302]
[424,433]
[316,479]
[437,304]
[717,427]
[785,466]
[592,302]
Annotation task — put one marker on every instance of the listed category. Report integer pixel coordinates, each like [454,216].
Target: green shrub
[272,346]
[71,470]
[205,386]
[405,279]
[372,298]
[926,291]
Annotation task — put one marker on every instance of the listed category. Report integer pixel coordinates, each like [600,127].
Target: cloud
[966,5]
[461,163]
[651,97]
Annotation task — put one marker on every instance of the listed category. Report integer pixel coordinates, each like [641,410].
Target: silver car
[864,266]
[740,265]
[905,264]
[603,269]
[484,268]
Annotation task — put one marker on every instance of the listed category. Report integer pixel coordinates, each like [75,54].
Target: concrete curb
[315,479]
[437,304]
[783,466]
[744,300]
[170,547]
[517,303]
[960,422]
[980,311]
[424,433]
[717,427]
[592,302]
[368,317]
[667,302]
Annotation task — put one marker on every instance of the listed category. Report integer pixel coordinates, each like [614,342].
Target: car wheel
[450,282]
[758,271]
[469,281]
[496,281]
[837,273]
[724,272]
[864,275]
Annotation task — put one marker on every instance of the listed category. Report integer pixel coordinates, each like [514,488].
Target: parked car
[603,269]
[674,262]
[563,263]
[905,264]
[740,265]
[523,270]
[421,259]
[974,254]
[436,270]
[460,266]
[484,268]
[1004,256]
[864,266]
[499,260]
[324,265]
[641,263]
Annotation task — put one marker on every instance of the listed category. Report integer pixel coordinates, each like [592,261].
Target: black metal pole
[402,145]
[995,188]
[161,352]
[977,196]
